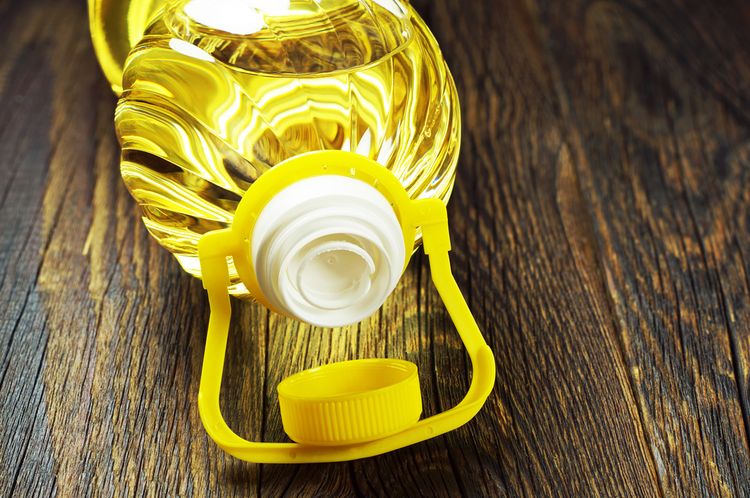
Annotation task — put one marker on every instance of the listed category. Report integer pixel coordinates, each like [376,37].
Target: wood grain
[600,226]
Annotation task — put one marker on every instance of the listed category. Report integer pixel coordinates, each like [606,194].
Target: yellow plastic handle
[431,216]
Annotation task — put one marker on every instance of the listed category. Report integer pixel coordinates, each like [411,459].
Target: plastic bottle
[218,92]
[296,151]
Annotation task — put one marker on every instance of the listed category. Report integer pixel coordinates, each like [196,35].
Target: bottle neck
[328,250]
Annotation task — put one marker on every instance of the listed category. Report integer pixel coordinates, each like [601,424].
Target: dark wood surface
[601,231]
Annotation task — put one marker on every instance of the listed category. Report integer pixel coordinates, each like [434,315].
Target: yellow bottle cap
[350,402]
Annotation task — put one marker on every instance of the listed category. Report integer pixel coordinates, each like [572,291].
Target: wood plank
[599,228]
[659,132]
[25,104]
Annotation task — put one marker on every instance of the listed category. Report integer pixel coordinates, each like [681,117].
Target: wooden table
[601,231]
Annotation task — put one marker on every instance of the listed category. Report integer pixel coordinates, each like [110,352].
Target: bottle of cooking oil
[217,92]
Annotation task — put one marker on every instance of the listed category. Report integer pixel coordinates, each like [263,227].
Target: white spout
[328,250]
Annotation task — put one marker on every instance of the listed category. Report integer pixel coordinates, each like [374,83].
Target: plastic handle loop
[346,410]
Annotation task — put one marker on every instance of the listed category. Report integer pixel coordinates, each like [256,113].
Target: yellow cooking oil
[216,92]
[116,26]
